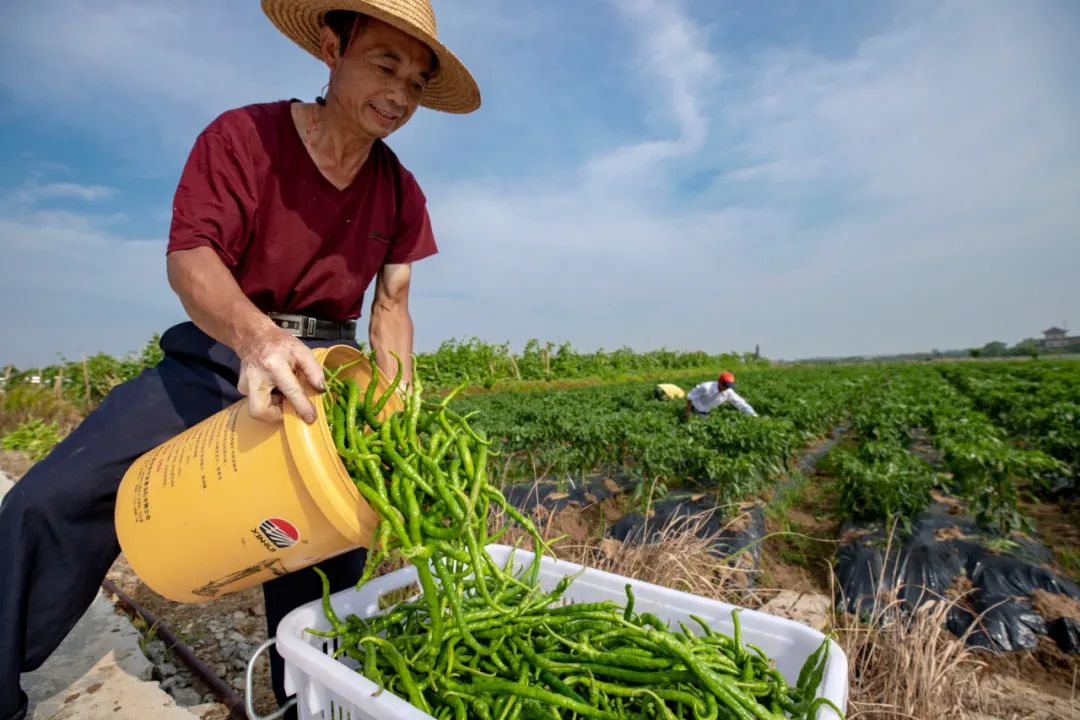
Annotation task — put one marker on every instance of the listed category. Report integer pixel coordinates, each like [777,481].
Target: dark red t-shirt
[294,242]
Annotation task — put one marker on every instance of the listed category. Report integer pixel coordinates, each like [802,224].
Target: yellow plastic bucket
[233,502]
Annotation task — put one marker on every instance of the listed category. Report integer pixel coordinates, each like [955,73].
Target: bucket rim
[316,458]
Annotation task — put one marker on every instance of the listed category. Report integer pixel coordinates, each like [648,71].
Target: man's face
[379,82]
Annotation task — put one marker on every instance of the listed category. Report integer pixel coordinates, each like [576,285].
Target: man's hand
[270,358]
[275,360]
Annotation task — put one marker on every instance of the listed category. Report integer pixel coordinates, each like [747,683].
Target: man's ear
[329,47]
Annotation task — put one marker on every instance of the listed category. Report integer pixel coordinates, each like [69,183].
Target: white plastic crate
[329,689]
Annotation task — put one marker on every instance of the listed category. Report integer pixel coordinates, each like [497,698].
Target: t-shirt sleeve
[413,238]
[214,204]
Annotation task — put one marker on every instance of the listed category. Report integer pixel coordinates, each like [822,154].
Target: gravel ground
[222,633]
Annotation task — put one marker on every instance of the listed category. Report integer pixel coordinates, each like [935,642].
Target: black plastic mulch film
[925,563]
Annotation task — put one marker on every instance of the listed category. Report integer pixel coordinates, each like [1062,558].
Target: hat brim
[453,88]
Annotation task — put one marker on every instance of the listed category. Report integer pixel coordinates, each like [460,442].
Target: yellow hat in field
[669,391]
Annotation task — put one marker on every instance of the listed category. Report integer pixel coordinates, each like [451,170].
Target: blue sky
[822,178]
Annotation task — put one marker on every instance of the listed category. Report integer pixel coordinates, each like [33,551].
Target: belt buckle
[292,324]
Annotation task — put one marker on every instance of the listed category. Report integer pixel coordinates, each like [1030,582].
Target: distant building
[1055,337]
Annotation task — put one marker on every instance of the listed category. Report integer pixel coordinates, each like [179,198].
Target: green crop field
[1003,431]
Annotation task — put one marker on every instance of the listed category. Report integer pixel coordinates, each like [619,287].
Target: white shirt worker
[709,395]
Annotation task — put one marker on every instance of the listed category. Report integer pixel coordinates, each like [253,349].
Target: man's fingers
[280,362]
[310,367]
[261,405]
[289,385]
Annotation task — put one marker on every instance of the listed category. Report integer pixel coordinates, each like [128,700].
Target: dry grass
[909,665]
[904,664]
[25,402]
[679,559]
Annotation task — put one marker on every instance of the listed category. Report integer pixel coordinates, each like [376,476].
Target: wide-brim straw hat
[451,90]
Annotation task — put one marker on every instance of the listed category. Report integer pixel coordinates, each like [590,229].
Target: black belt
[303,326]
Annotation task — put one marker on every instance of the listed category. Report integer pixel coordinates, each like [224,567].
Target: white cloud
[675,69]
[949,143]
[146,75]
[674,52]
[78,282]
[33,192]
[78,287]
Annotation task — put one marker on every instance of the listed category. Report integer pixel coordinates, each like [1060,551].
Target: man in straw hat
[284,214]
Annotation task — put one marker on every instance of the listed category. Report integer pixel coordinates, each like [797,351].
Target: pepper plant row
[1001,429]
[880,478]
[1038,403]
[571,432]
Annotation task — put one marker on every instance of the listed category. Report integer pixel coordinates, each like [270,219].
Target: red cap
[727,377]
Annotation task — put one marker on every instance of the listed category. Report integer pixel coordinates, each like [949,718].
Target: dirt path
[100,671]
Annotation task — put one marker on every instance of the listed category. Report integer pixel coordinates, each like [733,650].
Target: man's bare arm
[269,357]
[391,326]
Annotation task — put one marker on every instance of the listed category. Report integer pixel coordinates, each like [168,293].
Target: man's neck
[333,143]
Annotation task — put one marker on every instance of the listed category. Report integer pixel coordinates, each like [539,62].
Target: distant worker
[708,395]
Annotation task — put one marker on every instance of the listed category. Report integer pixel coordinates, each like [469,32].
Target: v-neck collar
[294,134]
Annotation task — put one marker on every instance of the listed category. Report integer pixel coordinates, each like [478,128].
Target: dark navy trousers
[57,536]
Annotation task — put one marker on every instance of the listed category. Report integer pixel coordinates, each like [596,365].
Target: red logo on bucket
[281,533]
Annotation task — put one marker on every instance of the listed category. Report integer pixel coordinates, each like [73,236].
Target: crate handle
[249,687]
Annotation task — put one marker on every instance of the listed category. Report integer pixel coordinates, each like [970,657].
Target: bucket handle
[249,687]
